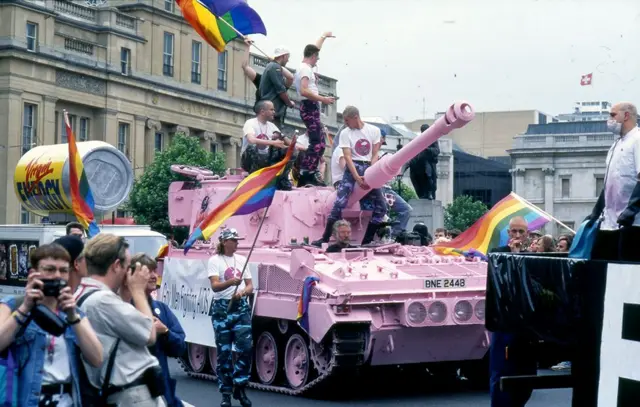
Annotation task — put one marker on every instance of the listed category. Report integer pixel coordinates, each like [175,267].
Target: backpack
[9,372]
[89,395]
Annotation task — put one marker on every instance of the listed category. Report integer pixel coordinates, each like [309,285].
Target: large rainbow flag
[82,201]
[253,193]
[239,20]
[492,229]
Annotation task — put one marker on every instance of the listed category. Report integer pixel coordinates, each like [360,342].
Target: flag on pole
[82,201]
[253,193]
[586,79]
[238,19]
[492,229]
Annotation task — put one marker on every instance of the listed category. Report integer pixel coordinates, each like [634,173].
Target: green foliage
[404,190]
[463,212]
[149,198]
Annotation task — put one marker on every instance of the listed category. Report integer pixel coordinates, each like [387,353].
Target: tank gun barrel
[458,115]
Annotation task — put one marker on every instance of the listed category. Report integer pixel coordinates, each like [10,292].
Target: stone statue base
[429,212]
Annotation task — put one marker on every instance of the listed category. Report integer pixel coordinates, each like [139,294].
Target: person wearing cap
[231,322]
[273,86]
[77,267]
[310,99]
[256,77]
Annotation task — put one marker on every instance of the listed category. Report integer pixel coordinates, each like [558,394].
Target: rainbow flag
[253,193]
[305,299]
[239,20]
[492,229]
[82,201]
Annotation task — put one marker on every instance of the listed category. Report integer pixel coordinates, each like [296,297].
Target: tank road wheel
[197,357]
[266,359]
[296,362]
[213,360]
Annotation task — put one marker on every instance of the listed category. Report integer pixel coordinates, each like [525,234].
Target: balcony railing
[325,83]
[76,10]
[72,44]
[603,140]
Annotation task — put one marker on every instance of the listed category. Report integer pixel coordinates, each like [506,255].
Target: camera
[51,288]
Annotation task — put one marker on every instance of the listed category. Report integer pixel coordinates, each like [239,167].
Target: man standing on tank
[231,324]
[273,86]
[360,142]
[306,83]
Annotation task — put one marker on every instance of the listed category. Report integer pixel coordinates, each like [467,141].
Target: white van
[17,241]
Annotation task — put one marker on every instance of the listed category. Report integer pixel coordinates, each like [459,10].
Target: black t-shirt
[256,82]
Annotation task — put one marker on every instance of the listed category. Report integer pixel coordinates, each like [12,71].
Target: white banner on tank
[620,348]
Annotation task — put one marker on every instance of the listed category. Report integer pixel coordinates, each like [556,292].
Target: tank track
[347,352]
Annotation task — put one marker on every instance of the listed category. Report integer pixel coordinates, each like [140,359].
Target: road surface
[201,393]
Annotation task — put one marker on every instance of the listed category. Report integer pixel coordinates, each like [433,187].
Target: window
[324,109]
[29,120]
[83,131]
[73,121]
[599,185]
[32,36]
[25,216]
[159,141]
[168,5]
[213,147]
[562,230]
[566,187]
[123,138]
[125,61]
[167,57]
[196,49]
[222,71]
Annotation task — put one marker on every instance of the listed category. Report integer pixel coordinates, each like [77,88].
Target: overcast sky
[498,54]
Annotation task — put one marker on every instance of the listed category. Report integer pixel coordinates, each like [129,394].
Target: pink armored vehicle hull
[373,306]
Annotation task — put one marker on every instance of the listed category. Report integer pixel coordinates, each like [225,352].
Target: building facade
[587,111]
[561,168]
[132,75]
[482,179]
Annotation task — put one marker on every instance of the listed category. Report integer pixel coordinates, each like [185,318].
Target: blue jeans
[402,208]
[509,355]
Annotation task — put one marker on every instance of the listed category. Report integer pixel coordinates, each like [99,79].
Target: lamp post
[399,176]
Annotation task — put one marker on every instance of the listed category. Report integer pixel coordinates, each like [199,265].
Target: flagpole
[243,36]
[255,240]
[521,199]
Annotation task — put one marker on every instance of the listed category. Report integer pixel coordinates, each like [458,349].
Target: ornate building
[132,75]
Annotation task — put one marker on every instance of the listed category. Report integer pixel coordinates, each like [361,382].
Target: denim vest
[30,349]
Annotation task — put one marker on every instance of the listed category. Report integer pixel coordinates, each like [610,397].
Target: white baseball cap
[280,51]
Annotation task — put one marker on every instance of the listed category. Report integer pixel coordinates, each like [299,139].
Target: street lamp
[399,176]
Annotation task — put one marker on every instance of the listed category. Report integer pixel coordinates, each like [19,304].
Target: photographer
[170,334]
[48,362]
[127,331]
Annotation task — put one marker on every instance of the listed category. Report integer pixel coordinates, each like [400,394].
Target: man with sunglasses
[619,201]
[511,354]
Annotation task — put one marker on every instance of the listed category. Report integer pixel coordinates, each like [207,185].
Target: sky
[413,58]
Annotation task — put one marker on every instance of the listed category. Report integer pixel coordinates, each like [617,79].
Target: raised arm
[325,35]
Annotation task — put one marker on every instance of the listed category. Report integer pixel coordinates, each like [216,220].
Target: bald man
[619,201]
[511,354]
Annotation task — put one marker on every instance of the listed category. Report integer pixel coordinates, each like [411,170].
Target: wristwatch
[74,320]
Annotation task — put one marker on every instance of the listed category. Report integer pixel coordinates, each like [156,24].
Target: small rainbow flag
[492,229]
[239,20]
[81,197]
[305,299]
[253,193]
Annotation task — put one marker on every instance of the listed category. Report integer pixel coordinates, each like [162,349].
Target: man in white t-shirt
[360,143]
[263,144]
[231,323]
[619,202]
[306,84]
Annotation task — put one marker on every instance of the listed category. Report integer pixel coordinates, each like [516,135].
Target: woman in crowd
[48,365]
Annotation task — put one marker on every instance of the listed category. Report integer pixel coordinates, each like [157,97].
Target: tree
[463,212]
[149,199]
[404,190]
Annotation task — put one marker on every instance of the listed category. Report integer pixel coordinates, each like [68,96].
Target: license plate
[445,283]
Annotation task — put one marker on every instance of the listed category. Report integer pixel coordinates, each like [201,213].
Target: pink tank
[375,306]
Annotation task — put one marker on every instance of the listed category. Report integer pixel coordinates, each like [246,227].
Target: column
[48,134]
[206,138]
[178,129]
[151,128]
[138,147]
[517,181]
[548,197]
[11,107]
[231,147]
[107,126]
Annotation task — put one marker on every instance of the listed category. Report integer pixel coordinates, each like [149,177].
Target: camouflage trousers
[232,328]
[310,115]
[373,201]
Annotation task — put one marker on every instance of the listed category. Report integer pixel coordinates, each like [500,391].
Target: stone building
[561,168]
[132,75]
